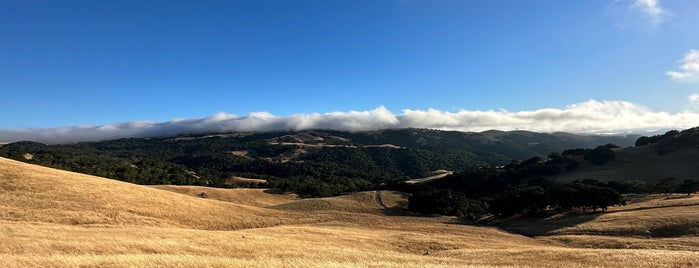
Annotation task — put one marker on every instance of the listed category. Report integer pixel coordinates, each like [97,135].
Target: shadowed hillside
[639,163]
[673,154]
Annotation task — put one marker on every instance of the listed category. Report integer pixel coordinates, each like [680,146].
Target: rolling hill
[35,194]
[672,154]
[53,218]
[638,163]
[310,163]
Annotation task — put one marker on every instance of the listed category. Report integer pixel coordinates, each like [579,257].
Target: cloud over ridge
[587,117]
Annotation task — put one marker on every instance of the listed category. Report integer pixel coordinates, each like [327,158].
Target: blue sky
[70,63]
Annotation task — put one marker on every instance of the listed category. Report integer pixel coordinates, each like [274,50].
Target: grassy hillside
[35,194]
[52,218]
[639,163]
[242,196]
[659,221]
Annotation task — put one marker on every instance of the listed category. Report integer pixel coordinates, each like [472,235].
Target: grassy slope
[243,196]
[34,194]
[668,221]
[62,219]
[639,163]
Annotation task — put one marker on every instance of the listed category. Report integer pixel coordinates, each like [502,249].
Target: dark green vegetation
[499,173]
[531,187]
[311,163]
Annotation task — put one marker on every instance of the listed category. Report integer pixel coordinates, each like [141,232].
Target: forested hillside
[575,178]
[311,163]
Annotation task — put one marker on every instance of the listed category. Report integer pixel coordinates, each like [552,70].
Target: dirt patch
[433,175]
[243,153]
[391,146]
[244,182]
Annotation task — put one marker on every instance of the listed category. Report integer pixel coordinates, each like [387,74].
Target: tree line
[521,189]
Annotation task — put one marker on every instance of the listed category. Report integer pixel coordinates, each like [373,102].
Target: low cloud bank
[586,117]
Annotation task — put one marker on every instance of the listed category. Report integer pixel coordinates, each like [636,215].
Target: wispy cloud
[693,98]
[587,117]
[651,8]
[689,70]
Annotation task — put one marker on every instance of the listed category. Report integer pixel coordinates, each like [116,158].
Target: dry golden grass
[35,194]
[242,196]
[653,218]
[246,180]
[51,218]
[364,202]
[45,245]
[665,222]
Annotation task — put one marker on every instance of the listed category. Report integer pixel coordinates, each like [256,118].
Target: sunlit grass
[51,218]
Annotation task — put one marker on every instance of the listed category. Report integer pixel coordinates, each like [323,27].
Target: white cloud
[689,70]
[587,117]
[693,98]
[652,9]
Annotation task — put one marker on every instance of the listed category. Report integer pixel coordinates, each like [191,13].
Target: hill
[494,145]
[576,179]
[672,154]
[52,218]
[659,221]
[310,163]
[36,194]
[638,163]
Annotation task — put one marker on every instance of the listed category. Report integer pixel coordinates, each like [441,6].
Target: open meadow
[53,218]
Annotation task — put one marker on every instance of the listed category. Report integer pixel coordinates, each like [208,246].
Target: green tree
[688,187]
[600,155]
[667,185]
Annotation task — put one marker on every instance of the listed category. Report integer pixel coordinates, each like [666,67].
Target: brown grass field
[52,218]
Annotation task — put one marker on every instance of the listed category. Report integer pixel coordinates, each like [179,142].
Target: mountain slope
[37,194]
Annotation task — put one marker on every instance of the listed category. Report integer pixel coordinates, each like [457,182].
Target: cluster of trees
[675,185]
[641,141]
[447,202]
[208,161]
[534,198]
[598,156]
[520,188]
[132,169]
